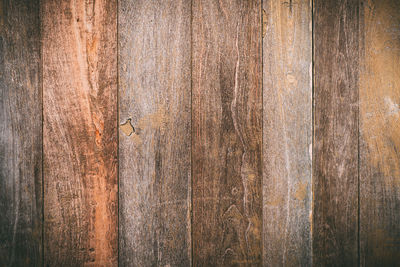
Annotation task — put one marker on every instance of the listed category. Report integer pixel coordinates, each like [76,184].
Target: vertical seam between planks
[358,134]
[312,130]
[191,135]
[42,110]
[261,29]
[117,127]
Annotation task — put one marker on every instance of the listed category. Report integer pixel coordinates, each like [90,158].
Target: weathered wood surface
[226,133]
[287,133]
[154,99]
[380,134]
[192,112]
[20,135]
[335,149]
[80,132]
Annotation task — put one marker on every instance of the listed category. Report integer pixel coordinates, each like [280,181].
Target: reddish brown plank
[287,133]
[20,134]
[380,134]
[154,98]
[335,149]
[80,134]
[226,133]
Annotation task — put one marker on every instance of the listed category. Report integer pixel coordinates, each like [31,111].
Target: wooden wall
[199,133]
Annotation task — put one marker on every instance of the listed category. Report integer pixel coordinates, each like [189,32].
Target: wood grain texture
[335,149]
[154,98]
[20,135]
[80,132]
[227,133]
[380,134]
[287,133]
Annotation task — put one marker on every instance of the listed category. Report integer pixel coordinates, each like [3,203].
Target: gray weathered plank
[380,134]
[80,132]
[154,101]
[287,133]
[227,133]
[20,135]
[335,149]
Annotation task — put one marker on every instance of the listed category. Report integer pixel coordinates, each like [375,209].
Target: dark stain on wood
[226,133]
[335,148]
[20,135]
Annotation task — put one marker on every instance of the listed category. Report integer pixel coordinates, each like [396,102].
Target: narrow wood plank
[154,101]
[20,134]
[227,133]
[80,132]
[335,149]
[380,134]
[287,132]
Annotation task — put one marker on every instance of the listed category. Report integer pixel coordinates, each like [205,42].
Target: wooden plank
[154,101]
[80,132]
[20,134]
[380,134]
[287,133]
[227,133]
[335,149]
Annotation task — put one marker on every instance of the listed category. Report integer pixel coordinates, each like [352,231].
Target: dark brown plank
[287,133]
[154,98]
[335,149]
[80,132]
[20,134]
[380,134]
[227,133]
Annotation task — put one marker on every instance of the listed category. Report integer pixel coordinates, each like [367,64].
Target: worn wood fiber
[226,133]
[335,149]
[80,132]
[287,133]
[380,134]
[20,135]
[154,137]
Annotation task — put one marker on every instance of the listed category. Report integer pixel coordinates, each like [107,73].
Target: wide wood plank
[287,132]
[20,134]
[335,149]
[80,132]
[154,137]
[227,133]
[380,134]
